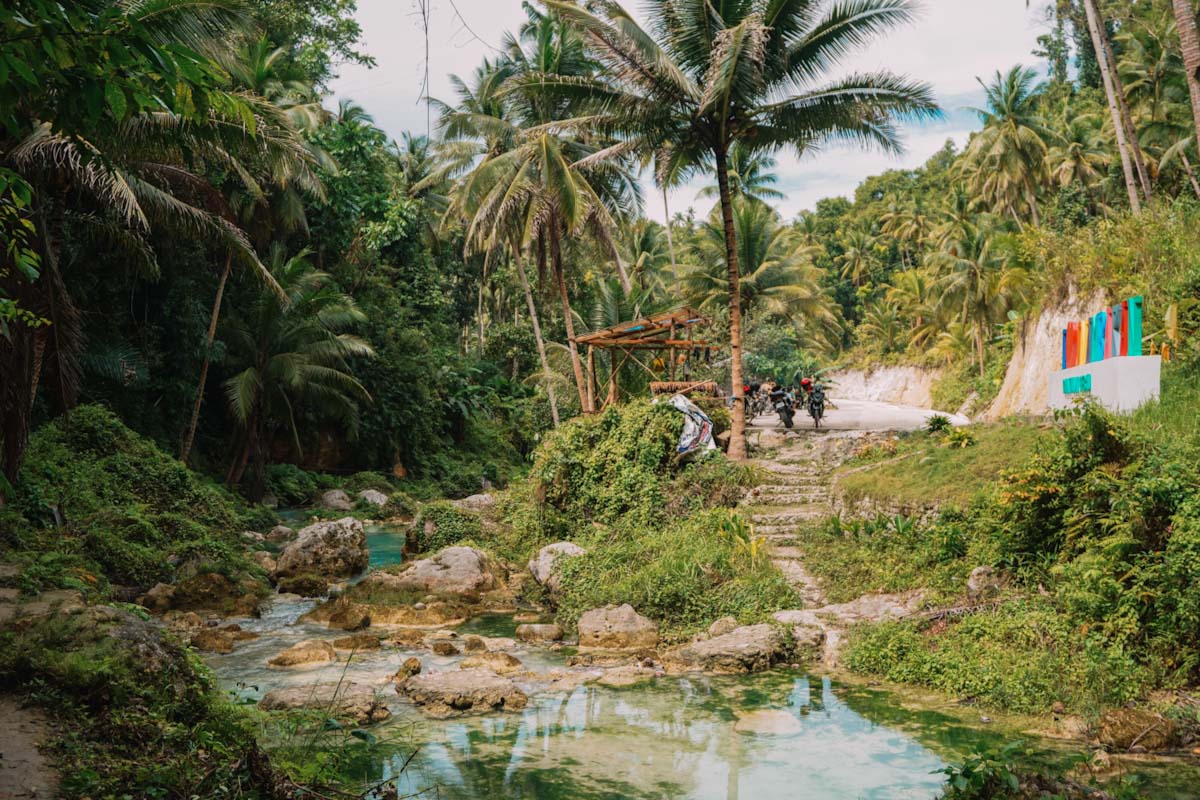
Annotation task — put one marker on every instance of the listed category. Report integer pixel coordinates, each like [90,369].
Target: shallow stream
[784,734]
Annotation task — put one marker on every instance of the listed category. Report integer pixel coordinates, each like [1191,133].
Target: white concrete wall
[1119,384]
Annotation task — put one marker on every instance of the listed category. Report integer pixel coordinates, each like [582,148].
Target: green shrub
[442,524]
[684,574]
[107,505]
[361,481]
[1023,657]
[291,485]
[938,423]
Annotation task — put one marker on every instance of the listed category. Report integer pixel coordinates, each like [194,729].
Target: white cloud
[951,44]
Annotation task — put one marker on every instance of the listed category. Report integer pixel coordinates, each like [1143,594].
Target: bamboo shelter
[669,336]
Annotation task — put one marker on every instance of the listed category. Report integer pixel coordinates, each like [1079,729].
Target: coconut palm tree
[295,353]
[882,325]
[858,259]
[912,294]
[1080,156]
[975,283]
[778,278]
[750,175]
[1005,163]
[1189,45]
[706,76]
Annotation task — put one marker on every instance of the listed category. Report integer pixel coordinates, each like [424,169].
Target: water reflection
[673,739]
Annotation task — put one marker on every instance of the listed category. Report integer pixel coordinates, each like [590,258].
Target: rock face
[310,651]
[464,691]
[750,648]
[410,667]
[350,618]
[336,500]
[354,701]
[373,498]
[902,385]
[539,632]
[1036,353]
[616,628]
[476,502]
[500,663]
[280,533]
[336,549]
[1126,728]
[306,585]
[542,566]
[462,572]
[984,582]
[722,626]
[264,560]
[628,675]
[444,647]
[357,641]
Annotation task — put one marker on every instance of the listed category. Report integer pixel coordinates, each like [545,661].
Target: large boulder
[354,701]
[373,498]
[310,651]
[539,632]
[542,566]
[461,572]
[750,648]
[500,663]
[280,533]
[336,500]
[464,691]
[616,628]
[334,549]
[476,502]
[1128,728]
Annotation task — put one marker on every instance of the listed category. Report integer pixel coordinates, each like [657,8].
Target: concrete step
[792,516]
[795,499]
[786,552]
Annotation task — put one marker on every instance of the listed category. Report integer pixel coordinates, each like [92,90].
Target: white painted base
[1120,384]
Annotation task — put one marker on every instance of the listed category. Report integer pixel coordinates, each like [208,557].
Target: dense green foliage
[659,534]
[97,503]
[1098,528]
[138,715]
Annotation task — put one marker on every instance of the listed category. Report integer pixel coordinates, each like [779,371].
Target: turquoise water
[386,543]
[672,739]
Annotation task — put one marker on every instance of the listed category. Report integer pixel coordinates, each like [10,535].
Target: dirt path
[793,498]
[24,772]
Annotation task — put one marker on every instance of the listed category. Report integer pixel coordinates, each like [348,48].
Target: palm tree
[976,283]
[296,354]
[883,325]
[909,225]
[778,278]
[912,294]
[1189,44]
[750,175]
[747,72]
[1006,161]
[858,259]
[1100,44]
[1080,156]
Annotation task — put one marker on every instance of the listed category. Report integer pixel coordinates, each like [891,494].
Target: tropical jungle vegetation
[221,293]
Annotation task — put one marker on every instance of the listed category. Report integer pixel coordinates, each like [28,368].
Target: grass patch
[923,469]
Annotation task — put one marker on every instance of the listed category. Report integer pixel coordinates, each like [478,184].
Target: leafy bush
[291,485]
[131,707]
[361,481]
[1023,657]
[109,504]
[960,438]
[938,423]
[442,524]
[684,575]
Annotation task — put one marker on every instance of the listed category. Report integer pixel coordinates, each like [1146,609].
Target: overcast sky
[952,43]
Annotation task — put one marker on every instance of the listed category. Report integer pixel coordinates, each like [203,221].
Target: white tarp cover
[697,427]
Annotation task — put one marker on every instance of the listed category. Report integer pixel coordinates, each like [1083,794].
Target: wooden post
[671,352]
[591,378]
[612,381]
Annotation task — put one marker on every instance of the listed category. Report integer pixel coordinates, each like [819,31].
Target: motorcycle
[783,406]
[816,405]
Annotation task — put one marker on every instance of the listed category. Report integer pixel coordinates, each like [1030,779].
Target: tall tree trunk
[1095,26]
[561,279]
[670,240]
[737,432]
[1135,147]
[537,335]
[979,345]
[1189,40]
[189,434]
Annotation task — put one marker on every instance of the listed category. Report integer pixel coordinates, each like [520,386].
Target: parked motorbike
[783,406]
[816,405]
